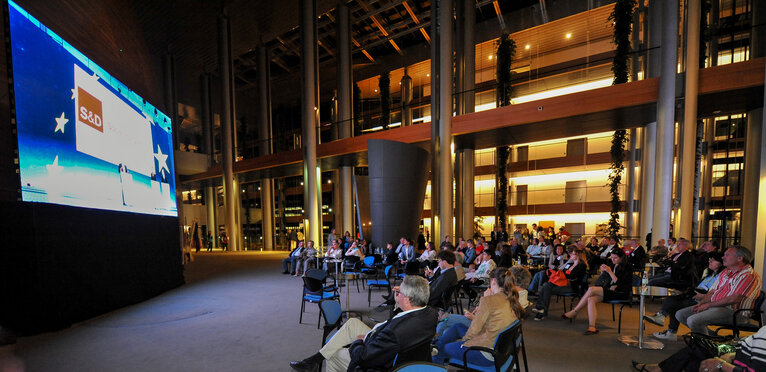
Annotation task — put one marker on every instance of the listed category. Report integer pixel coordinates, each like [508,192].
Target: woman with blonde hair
[498,309]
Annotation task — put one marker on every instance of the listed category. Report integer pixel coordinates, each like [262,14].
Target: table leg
[639,341]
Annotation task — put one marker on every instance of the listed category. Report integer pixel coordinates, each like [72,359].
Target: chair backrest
[312,285]
[351,263]
[507,345]
[420,352]
[331,311]
[318,274]
[387,271]
[420,367]
[369,261]
[758,306]
[412,268]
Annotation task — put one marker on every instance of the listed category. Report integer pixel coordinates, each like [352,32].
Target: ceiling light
[490,57]
[569,35]
[526,47]
[427,75]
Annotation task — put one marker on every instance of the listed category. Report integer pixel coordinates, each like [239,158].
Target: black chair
[420,352]
[352,266]
[314,292]
[575,295]
[379,282]
[756,314]
[505,354]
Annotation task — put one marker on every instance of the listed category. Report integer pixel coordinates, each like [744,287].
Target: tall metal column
[459,73]
[469,105]
[436,235]
[754,139]
[630,179]
[309,118]
[689,137]
[345,122]
[211,200]
[227,156]
[264,134]
[665,121]
[445,119]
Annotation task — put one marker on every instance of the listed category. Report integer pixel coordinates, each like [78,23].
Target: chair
[573,295]
[420,367]
[420,352]
[333,317]
[314,292]
[379,283]
[368,267]
[505,354]
[755,314]
[352,267]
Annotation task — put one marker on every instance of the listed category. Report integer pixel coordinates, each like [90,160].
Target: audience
[307,257]
[565,279]
[290,262]
[680,271]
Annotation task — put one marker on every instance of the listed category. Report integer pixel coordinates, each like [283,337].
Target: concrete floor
[238,313]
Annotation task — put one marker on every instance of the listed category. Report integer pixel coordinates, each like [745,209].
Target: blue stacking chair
[352,266]
[315,292]
[420,352]
[420,367]
[379,283]
[505,353]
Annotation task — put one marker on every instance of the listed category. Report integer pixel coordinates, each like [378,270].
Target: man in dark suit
[290,262]
[680,272]
[357,347]
[444,277]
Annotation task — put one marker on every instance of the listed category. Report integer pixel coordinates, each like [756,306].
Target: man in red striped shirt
[737,287]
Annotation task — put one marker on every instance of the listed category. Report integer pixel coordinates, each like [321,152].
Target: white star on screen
[162,159]
[60,123]
[74,93]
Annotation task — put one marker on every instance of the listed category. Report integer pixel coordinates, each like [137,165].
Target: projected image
[85,139]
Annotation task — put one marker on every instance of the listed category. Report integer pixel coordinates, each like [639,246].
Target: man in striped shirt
[737,287]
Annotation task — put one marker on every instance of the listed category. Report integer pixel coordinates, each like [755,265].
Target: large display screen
[85,139]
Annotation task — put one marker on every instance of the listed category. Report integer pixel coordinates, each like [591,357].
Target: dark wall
[398,179]
[60,265]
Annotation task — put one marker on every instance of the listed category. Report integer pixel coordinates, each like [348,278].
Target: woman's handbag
[705,347]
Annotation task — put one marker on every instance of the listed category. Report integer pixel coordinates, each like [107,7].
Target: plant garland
[622,19]
[506,49]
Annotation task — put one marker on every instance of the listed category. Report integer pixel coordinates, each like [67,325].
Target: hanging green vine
[622,19]
[384,86]
[506,49]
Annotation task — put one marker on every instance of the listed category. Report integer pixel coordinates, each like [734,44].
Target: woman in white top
[355,251]
[427,256]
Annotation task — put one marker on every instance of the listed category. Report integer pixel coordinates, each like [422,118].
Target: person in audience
[550,234]
[522,277]
[517,252]
[427,256]
[405,251]
[446,244]
[619,288]
[660,251]
[674,303]
[307,257]
[701,254]
[289,263]
[680,270]
[421,241]
[535,251]
[354,250]
[672,245]
[573,271]
[444,279]
[563,235]
[498,309]
[505,255]
[333,255]
[526,238]
[637,256]
[556,259]
[606,251]
[470,253]
[749,357]
[737,287]
[356,346]
[480,275]
[331,237]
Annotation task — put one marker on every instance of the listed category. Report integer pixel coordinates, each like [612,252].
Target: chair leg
[303,305]
[524,355]
[619,324]
[319,316]
[612,312]
[369,295]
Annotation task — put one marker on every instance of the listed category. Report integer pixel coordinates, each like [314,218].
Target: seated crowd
[495,278]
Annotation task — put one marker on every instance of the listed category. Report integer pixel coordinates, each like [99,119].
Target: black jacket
[682,270]
[441,282]
[380,348]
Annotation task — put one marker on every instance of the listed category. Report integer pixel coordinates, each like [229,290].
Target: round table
[639,341]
